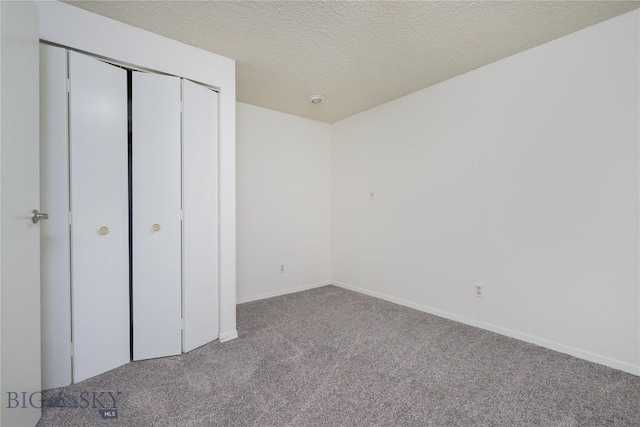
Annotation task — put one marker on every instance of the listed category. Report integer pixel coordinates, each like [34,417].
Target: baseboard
[282,292]
[228,336]
[581,354]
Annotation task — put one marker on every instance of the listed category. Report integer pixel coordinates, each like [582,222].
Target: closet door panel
[55,258]
[157,323]
[99,208]
[200,208]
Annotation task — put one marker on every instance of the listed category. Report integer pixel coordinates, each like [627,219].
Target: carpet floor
[331,357]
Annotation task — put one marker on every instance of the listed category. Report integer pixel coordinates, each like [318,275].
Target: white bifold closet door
[55,246]
[99,215]
[156,225]
[200,207]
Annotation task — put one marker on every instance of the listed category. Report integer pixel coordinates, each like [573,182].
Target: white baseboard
[581,354]
[228,336]
[282,292]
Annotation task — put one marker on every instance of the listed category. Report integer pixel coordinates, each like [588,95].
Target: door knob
[104,230]
[38,216]
[156,227]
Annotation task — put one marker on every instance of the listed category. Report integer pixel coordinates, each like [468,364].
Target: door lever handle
[38,216]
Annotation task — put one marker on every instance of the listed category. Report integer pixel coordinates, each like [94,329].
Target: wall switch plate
[477,290]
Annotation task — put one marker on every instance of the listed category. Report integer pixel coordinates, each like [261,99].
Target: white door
[200,206]
[99,215]
[20,237]
[156,225]
[55,248]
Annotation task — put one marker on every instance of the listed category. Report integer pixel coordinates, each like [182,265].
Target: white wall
[521,175]
[284,202]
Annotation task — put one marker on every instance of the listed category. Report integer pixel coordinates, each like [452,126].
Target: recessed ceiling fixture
[316,99]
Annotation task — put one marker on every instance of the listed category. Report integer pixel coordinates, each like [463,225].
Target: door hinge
[182,324]
[68,85]
[69,218]
[71,347]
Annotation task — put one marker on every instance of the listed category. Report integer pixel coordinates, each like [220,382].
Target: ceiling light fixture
[316,99]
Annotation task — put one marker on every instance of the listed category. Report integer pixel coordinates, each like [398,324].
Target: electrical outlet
[477,290]
[281,268]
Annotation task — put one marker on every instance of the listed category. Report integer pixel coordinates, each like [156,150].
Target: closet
[129,175]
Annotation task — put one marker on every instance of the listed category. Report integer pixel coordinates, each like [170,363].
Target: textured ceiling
[358,54]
